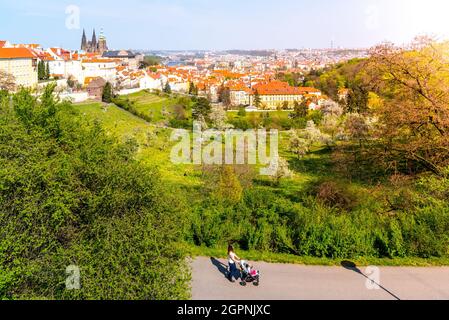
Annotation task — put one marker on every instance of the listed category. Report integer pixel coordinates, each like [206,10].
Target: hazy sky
[226,24]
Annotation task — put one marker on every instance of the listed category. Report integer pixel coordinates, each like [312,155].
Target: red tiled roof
[282,88]
[2,44]
[15,53]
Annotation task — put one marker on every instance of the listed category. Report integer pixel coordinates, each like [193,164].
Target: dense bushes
[263,221]
[71,195]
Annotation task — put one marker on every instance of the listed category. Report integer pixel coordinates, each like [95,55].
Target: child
[248,269]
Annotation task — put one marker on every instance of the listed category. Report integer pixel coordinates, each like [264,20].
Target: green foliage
[47,71]
[337,228]
[357,100]
[41,70]
[293,79]
[107,93]
[242,112]
[201,108]
[300,110]
[229,187]
[150,61]
[193,90]
[257,99]
[72,195]
[167,88]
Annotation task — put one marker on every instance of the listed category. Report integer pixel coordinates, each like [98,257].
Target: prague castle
[99,46]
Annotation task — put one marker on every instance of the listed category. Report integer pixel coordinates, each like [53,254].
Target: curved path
[296,282]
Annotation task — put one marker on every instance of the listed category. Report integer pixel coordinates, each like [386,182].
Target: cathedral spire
[84,41]
[94,40]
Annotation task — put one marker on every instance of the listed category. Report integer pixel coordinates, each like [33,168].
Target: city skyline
[211,25]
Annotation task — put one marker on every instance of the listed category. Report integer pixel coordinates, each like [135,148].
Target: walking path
[296,282]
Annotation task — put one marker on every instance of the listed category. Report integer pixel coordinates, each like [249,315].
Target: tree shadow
[222,268]
[349,265]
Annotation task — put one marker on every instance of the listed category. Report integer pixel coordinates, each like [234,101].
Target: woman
[233,260]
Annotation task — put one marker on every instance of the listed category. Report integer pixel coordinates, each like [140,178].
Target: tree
[312,133]
[300,110]
[218,118]
[193,90]
[242,112]
[330,124]
[47,71]
[357,99]
[201,108]
[41,71]
[413,85]
[266,119]
[331,108]
[224,96]
[107,93]
[7,81]
[280,169]
[299,146]
[71,82]
[150,61]
[180,112]
[257,99]
[229,188]
[356,127]
[167,88]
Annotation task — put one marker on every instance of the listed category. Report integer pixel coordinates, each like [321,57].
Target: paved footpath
[296,282]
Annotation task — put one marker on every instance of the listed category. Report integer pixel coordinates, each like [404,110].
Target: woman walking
[233,260]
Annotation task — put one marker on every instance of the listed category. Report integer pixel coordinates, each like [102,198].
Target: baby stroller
[249,274]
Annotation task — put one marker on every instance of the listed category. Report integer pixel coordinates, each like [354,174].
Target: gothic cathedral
[94,46]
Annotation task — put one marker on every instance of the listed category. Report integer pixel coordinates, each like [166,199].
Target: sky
[226,24]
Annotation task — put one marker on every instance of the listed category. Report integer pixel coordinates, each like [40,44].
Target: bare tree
[7,81]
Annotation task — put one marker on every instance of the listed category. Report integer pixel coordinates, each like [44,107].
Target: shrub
[335,195]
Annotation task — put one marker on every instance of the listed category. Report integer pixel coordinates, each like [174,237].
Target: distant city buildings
[234,78]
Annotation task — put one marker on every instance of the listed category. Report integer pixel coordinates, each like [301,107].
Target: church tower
[102,44]
[94,44]
[84,41]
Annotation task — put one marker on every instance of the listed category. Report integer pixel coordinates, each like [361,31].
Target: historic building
[277,94]
[21,64]
[92,46]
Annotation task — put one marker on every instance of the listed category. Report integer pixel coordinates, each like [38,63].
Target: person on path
[233,260]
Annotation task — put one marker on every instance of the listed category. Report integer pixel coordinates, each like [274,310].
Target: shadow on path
[222,268]
[348,265]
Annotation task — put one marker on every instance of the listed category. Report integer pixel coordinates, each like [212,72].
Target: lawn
[154,142]
[157,107]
